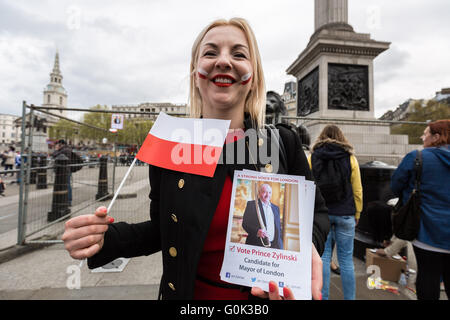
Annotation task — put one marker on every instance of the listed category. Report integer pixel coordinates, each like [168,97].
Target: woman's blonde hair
[255,102]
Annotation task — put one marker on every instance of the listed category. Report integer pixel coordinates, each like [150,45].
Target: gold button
[260,142]
[171,286]
[174,218]
[180,183]
[173,252]
[269,168]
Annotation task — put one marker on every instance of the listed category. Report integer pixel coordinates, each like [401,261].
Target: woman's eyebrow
[236,46]
[211,44]
[240,46]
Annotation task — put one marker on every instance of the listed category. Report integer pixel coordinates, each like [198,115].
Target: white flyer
[269,235]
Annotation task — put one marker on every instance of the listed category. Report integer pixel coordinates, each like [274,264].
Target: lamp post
[115,158]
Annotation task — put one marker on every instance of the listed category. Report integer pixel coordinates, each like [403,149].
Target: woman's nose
[224,61]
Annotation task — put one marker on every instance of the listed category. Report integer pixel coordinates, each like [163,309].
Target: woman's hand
[84,235]
[316,283]
[273,293]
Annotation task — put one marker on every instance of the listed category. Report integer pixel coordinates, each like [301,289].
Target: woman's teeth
[223,80]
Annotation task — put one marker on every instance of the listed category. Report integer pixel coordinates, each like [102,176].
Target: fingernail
[286,292]
[272,287]
[111,220]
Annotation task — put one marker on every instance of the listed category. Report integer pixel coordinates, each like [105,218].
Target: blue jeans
[343,233]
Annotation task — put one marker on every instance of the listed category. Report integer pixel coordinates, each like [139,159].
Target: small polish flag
[185,144]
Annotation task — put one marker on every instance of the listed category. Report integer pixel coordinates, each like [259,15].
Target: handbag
[406,218]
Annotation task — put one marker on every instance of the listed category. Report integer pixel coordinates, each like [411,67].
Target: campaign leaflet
[269,235]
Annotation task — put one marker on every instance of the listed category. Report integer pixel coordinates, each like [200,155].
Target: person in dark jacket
[432,246]
[270,215]
[189,213]
[331,145]
[2,188]
[61,148]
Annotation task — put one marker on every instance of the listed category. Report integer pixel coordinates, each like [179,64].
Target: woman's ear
[196,80]
[436,137]
[194,73]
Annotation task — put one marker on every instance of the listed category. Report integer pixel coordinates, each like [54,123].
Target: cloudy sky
[117,52]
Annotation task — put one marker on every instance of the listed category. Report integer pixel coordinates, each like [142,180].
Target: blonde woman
[189,213]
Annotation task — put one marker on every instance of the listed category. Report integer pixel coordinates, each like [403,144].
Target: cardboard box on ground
[390,268]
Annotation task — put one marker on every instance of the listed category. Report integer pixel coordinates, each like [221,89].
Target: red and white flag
[185,144]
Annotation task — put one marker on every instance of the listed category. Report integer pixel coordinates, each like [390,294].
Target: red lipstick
[223,80]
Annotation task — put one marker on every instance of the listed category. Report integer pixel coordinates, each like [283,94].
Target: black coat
[181,210]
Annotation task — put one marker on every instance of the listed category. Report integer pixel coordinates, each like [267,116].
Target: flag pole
[115,195]
[120,186]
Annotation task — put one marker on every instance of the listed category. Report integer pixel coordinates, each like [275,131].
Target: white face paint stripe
[202,73]
[246,78]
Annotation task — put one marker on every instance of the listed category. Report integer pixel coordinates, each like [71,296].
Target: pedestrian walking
[9,161]
[3,158]
[2,188]
[18,163]
[336,171]
[61,147]
[432,245]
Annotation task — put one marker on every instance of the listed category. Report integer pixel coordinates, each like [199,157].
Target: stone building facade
[9,132]
[153,107]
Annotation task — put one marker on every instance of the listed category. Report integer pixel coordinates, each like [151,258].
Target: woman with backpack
[336,172]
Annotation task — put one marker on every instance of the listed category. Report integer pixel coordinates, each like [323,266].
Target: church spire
[54,93]
[56,66]
[56,76]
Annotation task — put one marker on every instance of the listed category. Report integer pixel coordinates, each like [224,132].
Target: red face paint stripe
[246,78]
[202,73]
[246,81]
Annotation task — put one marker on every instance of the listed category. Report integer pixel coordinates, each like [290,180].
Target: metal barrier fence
[371,139]
[44,192]
[47,193]
[305,120]
[70,194]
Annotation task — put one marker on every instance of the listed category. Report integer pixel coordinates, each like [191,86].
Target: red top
[213,251]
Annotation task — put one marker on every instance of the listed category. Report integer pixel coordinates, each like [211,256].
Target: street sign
[116,121]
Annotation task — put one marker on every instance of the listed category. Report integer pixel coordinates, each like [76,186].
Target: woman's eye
[240,55]
[209,53]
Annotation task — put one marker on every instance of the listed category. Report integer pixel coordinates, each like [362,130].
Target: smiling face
[224,70]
